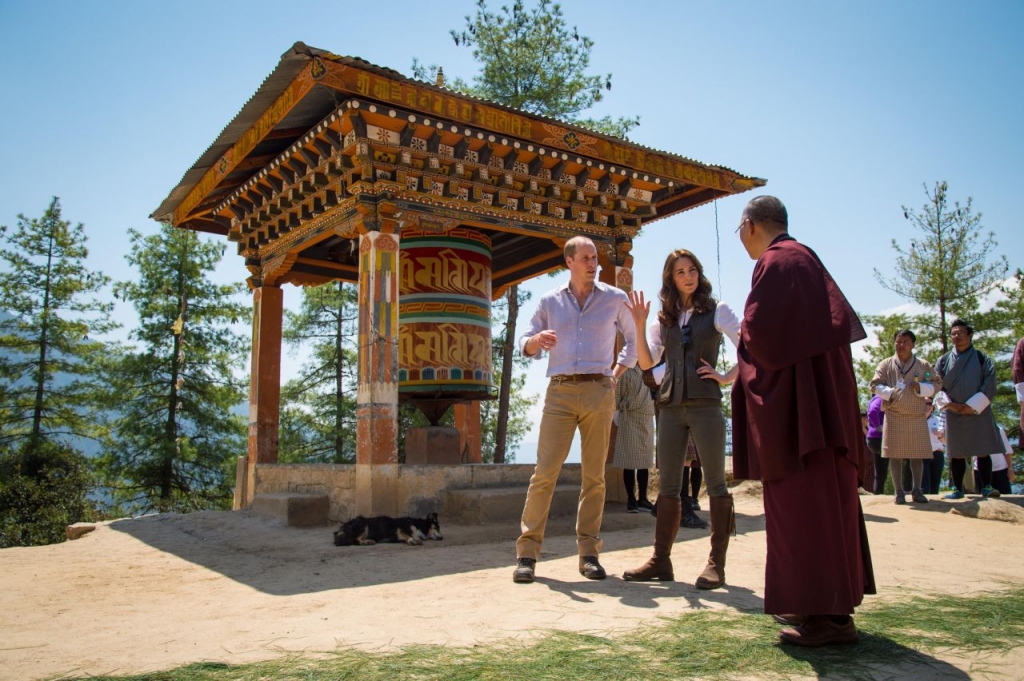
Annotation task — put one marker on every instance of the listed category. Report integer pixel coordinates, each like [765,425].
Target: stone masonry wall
[420,489]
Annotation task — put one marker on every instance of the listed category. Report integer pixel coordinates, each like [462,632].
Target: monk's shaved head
[767,209]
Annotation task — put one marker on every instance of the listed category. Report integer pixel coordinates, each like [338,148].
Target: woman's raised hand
[638,308]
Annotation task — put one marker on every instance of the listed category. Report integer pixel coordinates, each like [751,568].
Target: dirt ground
[162,591]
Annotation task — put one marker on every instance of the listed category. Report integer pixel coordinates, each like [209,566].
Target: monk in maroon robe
[797,428]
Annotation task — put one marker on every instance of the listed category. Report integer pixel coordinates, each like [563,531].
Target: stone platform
[502,504]
[293,508]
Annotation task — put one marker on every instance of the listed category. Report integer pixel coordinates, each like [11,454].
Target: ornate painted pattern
[557,136]
[624,278]
[378,318]
[444,327]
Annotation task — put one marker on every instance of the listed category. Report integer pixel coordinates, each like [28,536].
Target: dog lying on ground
[364,531]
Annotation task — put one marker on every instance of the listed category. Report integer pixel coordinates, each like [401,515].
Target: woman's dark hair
[669,296]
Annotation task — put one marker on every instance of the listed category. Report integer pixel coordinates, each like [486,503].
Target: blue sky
[847,109]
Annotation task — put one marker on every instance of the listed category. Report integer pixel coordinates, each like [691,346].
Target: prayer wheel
[444,318]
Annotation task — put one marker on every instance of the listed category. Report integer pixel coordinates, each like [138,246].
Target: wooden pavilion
[431,201]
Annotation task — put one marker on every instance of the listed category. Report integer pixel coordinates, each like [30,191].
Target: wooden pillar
[377,392]
[467,420]
[264,383]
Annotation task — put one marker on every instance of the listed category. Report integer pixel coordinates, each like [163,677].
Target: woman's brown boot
[723,523]
[659,567]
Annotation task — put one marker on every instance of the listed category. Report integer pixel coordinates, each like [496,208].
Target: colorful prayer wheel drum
[444,315]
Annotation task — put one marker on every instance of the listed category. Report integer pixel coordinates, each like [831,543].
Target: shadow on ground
[874,657]
[273,558]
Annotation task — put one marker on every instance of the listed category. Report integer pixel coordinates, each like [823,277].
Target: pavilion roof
[317,103]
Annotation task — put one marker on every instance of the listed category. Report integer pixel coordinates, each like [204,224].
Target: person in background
[904,381]
[576,325]
[634,437]
[796,427]
[879,471]
[969,384]
[936,432]
[692,477]
[690,518]
[869,459]
[1002,467]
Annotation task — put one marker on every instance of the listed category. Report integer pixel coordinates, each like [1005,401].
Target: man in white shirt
[576,325]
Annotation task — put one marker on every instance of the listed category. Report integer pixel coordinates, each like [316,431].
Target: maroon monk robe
[796,426]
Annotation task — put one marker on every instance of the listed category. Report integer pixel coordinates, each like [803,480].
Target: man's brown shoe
[590,568]
[524,571]
[819,630]
[789,620]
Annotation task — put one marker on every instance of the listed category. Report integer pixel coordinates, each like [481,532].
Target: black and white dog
[368,531]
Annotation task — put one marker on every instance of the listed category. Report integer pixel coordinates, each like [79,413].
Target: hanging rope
[718,253]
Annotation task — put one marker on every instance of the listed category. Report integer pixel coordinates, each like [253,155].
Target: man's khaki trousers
[569,406]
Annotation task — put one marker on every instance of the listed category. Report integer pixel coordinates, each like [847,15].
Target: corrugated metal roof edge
[292,61]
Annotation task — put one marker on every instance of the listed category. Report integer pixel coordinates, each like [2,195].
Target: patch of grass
[980,622]
[895,636]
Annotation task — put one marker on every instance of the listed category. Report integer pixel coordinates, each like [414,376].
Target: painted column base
[377,489]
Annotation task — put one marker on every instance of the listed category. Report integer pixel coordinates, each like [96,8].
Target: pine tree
[176,430]
[48,352]
[318,407]
[504,424]
[533,61]
[517,423]
[947,269]
[49,335]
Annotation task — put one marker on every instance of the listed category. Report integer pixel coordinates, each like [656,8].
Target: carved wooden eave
[331,145]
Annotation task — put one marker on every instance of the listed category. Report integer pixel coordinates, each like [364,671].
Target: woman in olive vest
[688,332]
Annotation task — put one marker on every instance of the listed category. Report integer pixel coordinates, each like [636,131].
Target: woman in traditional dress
[634,436]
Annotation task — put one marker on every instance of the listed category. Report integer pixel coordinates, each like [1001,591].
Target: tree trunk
[171,427]
[170,447]
[37,412]
[943,331]
[506,374]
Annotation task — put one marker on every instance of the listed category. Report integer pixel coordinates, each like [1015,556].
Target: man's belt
[577,378]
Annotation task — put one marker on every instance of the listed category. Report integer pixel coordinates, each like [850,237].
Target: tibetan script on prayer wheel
[444,314]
